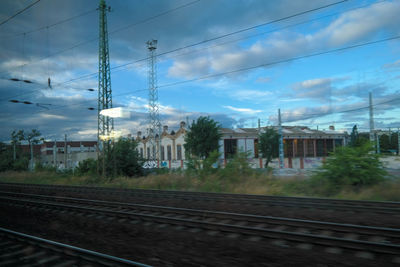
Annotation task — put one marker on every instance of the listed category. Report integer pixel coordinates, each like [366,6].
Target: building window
[179,152]
[148,153]
[169,153]
[256,148]
[230,148]
[141,152]
[288,148]
[310,148]
[162,153]
[320,148]
[329,145]
[300,148]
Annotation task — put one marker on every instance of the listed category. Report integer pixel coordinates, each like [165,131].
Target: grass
[248,182]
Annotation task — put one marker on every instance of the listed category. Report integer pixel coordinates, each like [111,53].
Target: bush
[355,166]
[21,164]
[237,167]
[210,164]
[40,167]
[87,166]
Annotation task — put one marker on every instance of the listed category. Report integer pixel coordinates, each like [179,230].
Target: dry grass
[248,183]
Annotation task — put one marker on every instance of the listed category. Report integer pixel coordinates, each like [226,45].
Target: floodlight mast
[105,124]
[154,115]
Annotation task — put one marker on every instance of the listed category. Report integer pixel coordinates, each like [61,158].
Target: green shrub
[355,166]
[40,167]
[209,164]
[87,166]
[237,167]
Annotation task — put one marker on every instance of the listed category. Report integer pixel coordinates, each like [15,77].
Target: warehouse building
[303,146]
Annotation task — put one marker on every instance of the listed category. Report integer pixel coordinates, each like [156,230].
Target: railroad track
[18,249]
[378,207]
[362,241]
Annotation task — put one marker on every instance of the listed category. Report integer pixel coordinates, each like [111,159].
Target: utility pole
[105,124]
[281,159]
[55,154]
[154,115]
[371,120]
[378,146]
[398,141]
[65,152]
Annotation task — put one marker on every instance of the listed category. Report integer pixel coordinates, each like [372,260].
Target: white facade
[171,146]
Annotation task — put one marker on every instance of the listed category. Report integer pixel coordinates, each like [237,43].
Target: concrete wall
[73,159]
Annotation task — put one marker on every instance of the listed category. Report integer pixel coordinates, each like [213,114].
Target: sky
[235,61]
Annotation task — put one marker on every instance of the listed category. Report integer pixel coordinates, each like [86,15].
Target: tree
[357,139]
[353,136]
[268,144]
[353,166]
[87,166]
[6,162]
[202,137]
[384,143]
[16,138]
[127,159]
[32,139]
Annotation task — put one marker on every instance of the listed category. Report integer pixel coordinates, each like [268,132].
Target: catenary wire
[110,32]
[201,42]
[171,51]
[275,63]
[167,52]
[19,12]
[50,25]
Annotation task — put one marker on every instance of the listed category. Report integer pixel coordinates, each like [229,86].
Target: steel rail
[47,252]
[321,203]
[392,233]
[298,238]
[251,197]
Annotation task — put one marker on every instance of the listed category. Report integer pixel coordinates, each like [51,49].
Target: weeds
[236,177]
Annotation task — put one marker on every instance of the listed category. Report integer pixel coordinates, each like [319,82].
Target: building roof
[288,132]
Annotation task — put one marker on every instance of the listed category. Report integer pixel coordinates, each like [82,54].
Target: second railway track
[378,207]
[360,240]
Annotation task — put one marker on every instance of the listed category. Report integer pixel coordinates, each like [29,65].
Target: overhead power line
[53,24]
[111,32]
[208,40]
[281,61]
[274,62]
[194,44]
[323,114]
[220,44]
[19,12]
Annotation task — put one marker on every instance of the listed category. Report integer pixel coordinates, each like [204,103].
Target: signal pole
[105,124]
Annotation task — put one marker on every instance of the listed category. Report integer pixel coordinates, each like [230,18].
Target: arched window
[179,152]
[162,153]
[169,153]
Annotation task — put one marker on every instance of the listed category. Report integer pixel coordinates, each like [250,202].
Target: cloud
[249,94]
[320,88]
[243,110]
[392,65]
[355,112]
[349,28]
[263,80]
